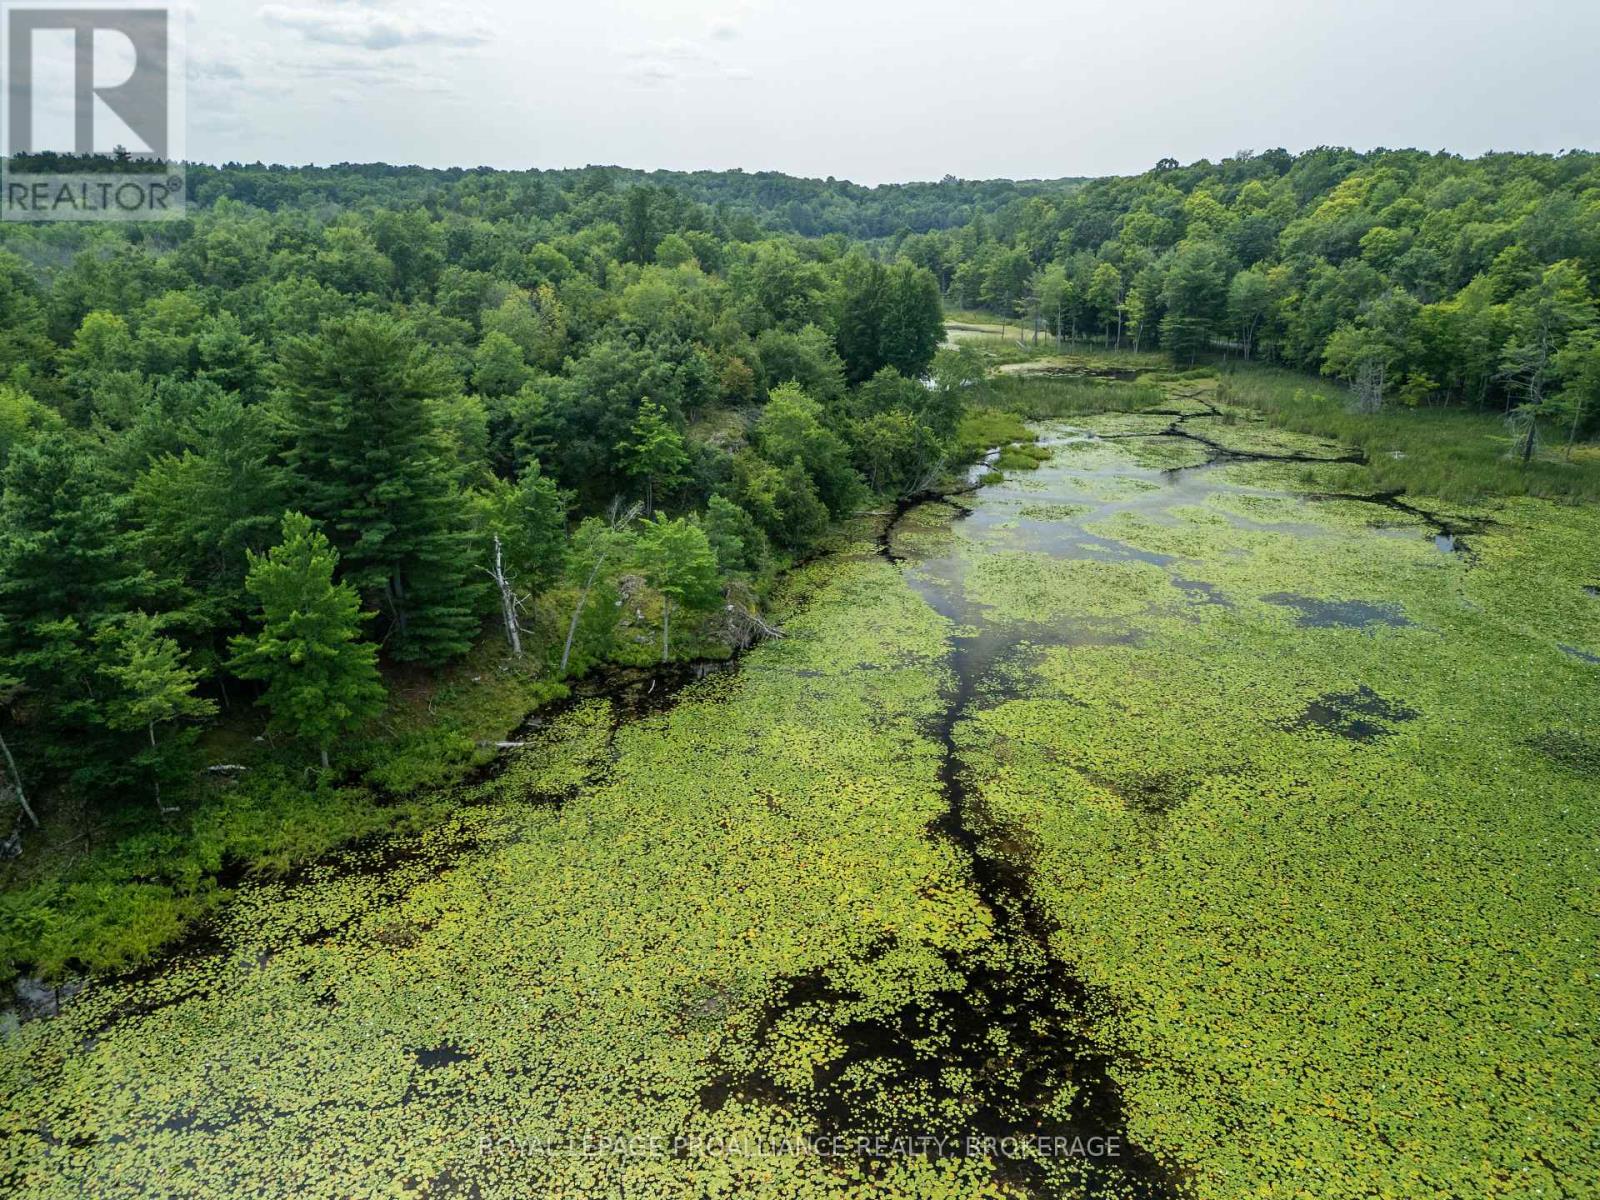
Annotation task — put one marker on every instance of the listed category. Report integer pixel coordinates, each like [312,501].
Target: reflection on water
[1060,511]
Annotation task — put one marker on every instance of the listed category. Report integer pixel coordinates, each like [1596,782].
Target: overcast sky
[882,90]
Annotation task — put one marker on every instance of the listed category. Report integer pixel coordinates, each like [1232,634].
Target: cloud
[368,27]
[678,59]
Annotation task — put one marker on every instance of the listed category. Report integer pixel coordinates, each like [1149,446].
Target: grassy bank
[1447,452]
[104,887]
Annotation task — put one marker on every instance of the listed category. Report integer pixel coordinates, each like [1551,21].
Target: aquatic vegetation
[1285,844]
[422,1008]
[1022,458]
[1257,437]
[1213,808]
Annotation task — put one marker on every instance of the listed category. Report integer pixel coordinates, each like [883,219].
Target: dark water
[1024,996]
[1331,614]
[1361,715]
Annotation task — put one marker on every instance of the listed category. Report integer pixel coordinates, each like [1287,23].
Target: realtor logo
[93,111]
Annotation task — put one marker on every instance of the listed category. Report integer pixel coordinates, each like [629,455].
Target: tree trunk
[1572,436]
[160,807]
[1527,443]
[508,600]
[577,611]
[324,750]
[16,779]
[666,619]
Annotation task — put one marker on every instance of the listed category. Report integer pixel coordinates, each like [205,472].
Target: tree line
[270,455]
[1418,278]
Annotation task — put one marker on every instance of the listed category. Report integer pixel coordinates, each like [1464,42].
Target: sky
[881,90]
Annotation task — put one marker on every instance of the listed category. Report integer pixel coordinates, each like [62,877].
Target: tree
[641,229]
[1196,295]
[960,379]
[498,368]
[368,459]
[887,317]
[860,324]
[1362,358]
[794,429]
[895,451]
[9,689]
[151,686]
[1550,313]
[1105,297]
[1053,288]
[1136,310]
[21,419]
[526,525]
[595,543]
[1578,366]
[1250,303]
[678,563]
[736,539]
[321,679]
[195,515]
[65,571]
[913,320]
[654,452]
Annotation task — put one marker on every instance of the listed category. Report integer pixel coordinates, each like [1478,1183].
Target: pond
[1166,821]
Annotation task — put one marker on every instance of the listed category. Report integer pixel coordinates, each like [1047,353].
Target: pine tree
[369,462]
[64,572]
[321,680]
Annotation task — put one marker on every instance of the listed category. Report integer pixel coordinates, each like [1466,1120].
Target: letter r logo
[142,101]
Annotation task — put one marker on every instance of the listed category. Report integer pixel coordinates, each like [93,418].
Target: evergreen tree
[197,513]
[65,571]
[368,460]
[321,680]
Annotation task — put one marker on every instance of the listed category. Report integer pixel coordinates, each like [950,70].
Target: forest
[312,497]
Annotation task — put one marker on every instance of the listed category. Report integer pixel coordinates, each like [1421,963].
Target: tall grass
[1447,452]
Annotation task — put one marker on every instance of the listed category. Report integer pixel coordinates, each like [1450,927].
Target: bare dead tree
[510,603]
[746,623]
[16,783]
[1367,384]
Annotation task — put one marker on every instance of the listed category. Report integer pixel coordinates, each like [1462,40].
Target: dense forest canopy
[361,407]
[1426,276]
